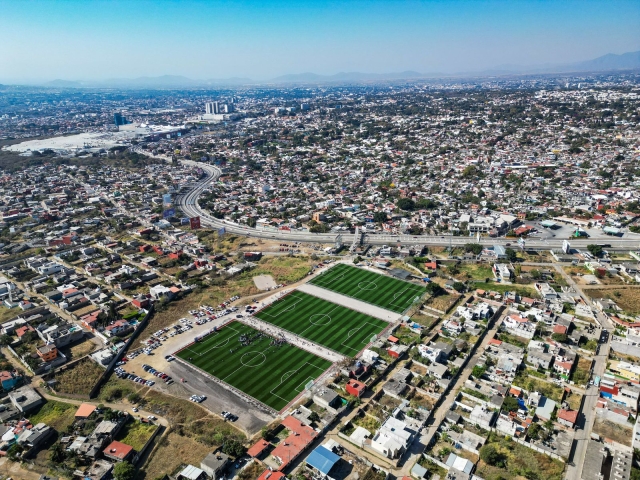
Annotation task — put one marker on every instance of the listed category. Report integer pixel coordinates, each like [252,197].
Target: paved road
[442,410]
[587,419]
[189,204]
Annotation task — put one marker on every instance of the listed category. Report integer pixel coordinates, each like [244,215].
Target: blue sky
[100,39]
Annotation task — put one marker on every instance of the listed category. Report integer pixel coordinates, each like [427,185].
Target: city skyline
[43,41]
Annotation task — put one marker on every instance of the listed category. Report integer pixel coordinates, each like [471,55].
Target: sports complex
[369,287]
[333,326]
[271,371]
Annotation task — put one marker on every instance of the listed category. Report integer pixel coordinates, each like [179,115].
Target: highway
[189,204]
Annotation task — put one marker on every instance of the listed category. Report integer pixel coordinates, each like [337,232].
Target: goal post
[309,385]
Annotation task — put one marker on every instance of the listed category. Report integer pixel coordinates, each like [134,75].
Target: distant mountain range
[609,62]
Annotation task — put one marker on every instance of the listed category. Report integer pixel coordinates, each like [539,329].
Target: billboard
[169,212]
[194,222]
[221,231]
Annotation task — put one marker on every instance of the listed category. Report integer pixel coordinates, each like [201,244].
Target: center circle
[253,359]
[320,319]
[367,286]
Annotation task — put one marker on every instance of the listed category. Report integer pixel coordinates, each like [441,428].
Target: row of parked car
[229,416]
[122,373]
[198,398]
[148,368]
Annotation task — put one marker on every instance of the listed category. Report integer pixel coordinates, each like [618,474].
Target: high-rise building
[118,119]
[212,108]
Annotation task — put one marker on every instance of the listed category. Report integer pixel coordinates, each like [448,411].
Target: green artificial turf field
[334,326]
[369,287]
[272,374]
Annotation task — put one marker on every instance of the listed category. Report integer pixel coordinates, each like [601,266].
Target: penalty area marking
[353,331]
[291,374]
[214,347]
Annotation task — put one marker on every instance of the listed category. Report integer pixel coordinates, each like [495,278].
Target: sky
[42,40]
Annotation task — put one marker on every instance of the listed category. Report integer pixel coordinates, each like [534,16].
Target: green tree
[512,256]
[434,289]
[181,275]
[474,248]
[233,447]
[458,287]
[124,471]
[380,217]
[510,404]
[595,250]
[559,337]
[478,371]
[406,204]
[490,455]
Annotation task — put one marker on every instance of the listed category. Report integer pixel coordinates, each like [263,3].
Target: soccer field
[334,326]
[369,287]
[254,363]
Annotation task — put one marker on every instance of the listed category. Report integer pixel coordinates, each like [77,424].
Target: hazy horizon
[94,41]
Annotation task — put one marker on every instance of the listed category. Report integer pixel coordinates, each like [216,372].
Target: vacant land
[582,371]
[57,415]
[334,326]
[574,400]
[548,389]
[627,298]
[517,461]
[79,379]
[136,434]
[173,451]
[502,288]
[269,370]
[614,431]
[479,271]
[369,287]
[443,302]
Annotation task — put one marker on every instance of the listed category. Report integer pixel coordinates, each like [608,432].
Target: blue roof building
[322,459]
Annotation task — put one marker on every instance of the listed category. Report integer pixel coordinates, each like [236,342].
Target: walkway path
[352,303]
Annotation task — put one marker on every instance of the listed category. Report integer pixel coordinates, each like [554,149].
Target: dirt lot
[79,379]
[614,431]
[627,298]
[173,451]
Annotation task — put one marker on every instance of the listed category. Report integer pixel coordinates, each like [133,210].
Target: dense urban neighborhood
[420,280]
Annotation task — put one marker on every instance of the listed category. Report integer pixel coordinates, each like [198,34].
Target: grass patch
[57,415]
[627,298]
[574,400]
[549,390]
[79,379]
[521,290]
[443,302]
[369,287]
[518,461]
[406,336]
[470,271]
[81,349]
[365,421]
[272,374]
[136,434]
[339,328]
[513,339]
[251,471]
[173,451]
[8,313]
[581,373]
